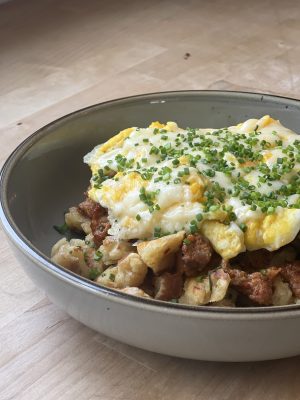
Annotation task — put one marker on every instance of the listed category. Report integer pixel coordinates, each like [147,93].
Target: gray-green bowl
[45,175]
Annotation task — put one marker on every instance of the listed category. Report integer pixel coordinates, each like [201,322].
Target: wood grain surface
[57,56]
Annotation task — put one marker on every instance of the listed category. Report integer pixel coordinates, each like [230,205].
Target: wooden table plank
[57,56]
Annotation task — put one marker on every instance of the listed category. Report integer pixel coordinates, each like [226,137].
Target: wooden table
[57,56]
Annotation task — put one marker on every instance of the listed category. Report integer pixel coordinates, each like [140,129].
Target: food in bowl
[194,216]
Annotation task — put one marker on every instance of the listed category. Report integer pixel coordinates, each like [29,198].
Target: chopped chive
[93,273]
[199,217]
[98,255]
[243,227]
[62,229]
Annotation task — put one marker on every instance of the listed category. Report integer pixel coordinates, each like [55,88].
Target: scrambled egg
[227,240]
[272,231]
[238,186]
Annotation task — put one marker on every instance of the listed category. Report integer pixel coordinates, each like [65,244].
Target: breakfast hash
[192,216]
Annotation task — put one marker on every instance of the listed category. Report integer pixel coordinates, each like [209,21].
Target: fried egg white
[236,185]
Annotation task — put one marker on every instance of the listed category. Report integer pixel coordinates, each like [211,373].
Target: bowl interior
[46,175]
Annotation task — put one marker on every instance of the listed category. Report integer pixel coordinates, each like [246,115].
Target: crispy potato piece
[219,280]
[75,256]
[135,291]
[282,293]
[196,292]
[76,221]
[55,249]
[131,271]
[158,254]
[209,289]
[107,278]
[69,254]
[114,250]
[93,262]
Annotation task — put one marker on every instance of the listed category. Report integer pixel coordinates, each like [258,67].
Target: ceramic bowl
[45,175]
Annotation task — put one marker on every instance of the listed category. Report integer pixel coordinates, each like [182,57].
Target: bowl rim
[28,249]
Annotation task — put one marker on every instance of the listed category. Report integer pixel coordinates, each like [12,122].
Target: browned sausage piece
[89,207]
[98,216]
[196,253]
[100,227]
[291,274]
[168,286]
[257,286]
